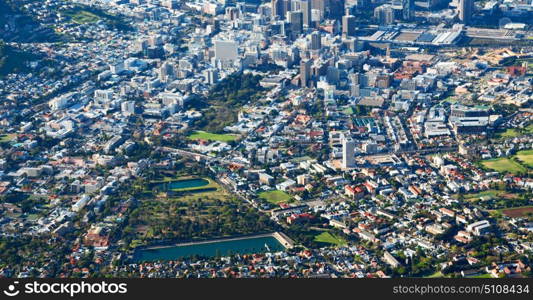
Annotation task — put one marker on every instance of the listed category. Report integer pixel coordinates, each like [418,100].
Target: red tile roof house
[355,192]
[298,217]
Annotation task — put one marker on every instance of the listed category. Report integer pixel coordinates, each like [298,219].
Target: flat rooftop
[408,36]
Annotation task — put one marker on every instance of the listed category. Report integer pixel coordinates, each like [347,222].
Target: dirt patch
[517,212]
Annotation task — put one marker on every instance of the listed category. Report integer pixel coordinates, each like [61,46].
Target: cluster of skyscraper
[287,9]
[300,13]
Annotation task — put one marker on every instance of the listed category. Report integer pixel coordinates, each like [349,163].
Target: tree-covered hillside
[13,60]
[16,25]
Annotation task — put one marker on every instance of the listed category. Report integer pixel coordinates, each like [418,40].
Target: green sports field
[202,135]
[326,237]
[526,157]
[508,133]
[275,197]
[504,165]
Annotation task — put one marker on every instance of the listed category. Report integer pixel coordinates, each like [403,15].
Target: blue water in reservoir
[182,184]
[212,249]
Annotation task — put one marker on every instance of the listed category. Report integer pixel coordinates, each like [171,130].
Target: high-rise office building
[348,153]
[211,76]
[348,26]
[305,7]
[384,14]
[232,13]
[305,73]
[295,5]
[167,72]
[332,75]
[280,8]
[465,10]
[329,9]
[408,10]
[319,5]
[171,4]
[275,6]
[295,19]
[286,6]
[316,40]
[127,108]
[335,9]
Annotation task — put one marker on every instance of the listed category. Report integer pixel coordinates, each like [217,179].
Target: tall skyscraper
[316,40]
[127,108]
[275,6]
[465,10]
[332,75]
[295,19]
[348,26]
[286,5]
[295,5]
[408,10]
[171,4]
[211,76]
[232,13]
[384,14]
[305,73]
[167,72]
[305,7]
[280,8]
[319,5]
[329,9]
[335,9]
[348,153]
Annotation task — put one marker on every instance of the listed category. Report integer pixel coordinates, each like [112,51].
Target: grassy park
[525,157]
[202,135]
[504,165]
[189,212]
[514,132]
[489,194]
[508,133]
[82,16]
[275,197]
[529,129]
[328,238]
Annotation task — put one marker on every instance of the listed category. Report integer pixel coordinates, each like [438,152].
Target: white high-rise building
[211,76]
[127,108]
[348,153]
[117,68]
[103,96]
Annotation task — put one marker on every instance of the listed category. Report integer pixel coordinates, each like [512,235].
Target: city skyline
[266,139]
